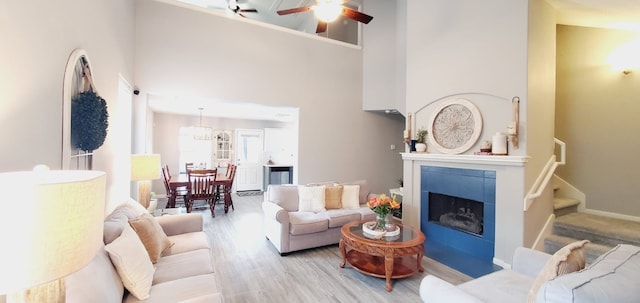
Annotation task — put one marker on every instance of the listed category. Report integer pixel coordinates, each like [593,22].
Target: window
[195,146]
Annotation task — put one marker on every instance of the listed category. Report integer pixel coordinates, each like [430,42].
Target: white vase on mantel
[421,147]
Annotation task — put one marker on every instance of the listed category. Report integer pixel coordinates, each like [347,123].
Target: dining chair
[202,186]
[179,192]
[188,166]
[224,188]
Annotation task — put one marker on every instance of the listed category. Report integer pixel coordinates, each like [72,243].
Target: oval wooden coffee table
[388,257]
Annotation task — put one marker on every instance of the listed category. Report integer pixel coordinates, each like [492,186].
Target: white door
[249,150]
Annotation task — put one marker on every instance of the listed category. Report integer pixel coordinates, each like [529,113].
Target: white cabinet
[222,147]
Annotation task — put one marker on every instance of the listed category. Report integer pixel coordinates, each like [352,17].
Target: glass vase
[389,225]
[381,222]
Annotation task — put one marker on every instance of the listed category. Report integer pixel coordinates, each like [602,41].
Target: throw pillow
[363,192]
[566,260]
[333,197]
[153,238]
[350,196]
[311,198]
[132,263]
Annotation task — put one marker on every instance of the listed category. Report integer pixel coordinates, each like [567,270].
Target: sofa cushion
[365,213]
[153,238]
[187,242]
[610,278]
[132,262]
[311,198]
[350,196]
[183,265]
[307,223]
[333,196]
[566,260]
[181,290]
[286,196]
[339,217]
[81,285]
[500,286]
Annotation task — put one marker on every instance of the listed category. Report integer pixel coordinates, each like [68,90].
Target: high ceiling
[616,14]
[622,14]
[266,10]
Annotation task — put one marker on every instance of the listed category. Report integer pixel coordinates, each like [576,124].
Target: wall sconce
[625,58]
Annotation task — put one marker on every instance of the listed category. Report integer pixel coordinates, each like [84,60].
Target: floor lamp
[144,168]
[55,230]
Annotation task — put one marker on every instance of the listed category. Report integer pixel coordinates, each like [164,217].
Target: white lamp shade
[51,225]
[145,167]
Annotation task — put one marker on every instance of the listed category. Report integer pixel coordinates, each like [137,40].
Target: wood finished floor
[249,269]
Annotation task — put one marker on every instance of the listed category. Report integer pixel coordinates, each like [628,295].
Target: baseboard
[612,215]
[501,263]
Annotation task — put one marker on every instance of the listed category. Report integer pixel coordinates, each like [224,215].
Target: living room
[123,39]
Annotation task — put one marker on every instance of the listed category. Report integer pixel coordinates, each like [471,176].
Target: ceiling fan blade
[249,10]
[294,10]
[356,15]
[322,27]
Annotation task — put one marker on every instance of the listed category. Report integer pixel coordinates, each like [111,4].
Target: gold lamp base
[144,193]
[53,292]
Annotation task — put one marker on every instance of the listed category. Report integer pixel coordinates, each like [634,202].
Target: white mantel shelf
[469,159]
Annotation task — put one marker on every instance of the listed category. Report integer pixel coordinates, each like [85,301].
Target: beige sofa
[290,229]
[183,272]
[610,278]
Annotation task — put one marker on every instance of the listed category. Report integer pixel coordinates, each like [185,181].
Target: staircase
[603,232]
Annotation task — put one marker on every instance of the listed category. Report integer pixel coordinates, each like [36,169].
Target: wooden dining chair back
[188,166]
[202,186]
[178,192]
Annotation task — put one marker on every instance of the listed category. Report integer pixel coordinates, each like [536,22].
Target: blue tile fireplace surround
[458,217]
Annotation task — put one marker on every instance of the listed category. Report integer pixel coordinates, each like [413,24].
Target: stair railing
[545,175]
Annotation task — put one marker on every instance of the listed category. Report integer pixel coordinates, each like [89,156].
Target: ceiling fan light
[327,12]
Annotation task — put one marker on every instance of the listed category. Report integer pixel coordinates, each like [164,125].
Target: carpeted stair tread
[591,251]
[598,229]
[559,203]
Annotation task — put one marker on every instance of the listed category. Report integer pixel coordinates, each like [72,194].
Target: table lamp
[144,168]
[52,228]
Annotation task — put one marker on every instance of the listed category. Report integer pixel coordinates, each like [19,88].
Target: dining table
[182,181]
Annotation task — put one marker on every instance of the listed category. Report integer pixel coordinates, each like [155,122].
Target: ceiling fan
[327,11]
[235,8]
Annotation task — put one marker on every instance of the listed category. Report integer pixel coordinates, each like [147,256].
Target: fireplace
[458,209]
[497,182]
[462,214]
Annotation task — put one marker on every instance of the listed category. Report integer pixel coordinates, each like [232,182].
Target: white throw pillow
[350,196]
[311,198]
[132,262]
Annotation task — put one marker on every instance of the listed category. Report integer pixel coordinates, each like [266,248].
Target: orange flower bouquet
[382,206]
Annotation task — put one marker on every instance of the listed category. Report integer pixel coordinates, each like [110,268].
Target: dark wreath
[89,121]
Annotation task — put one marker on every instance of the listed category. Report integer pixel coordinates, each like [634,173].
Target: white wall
[380,82]
[538,119]
[37,39]
[598,118]
[181,51]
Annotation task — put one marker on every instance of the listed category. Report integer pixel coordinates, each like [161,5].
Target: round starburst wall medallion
[455,126]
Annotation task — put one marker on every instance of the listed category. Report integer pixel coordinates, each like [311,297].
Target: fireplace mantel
[467,159]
